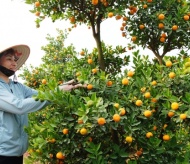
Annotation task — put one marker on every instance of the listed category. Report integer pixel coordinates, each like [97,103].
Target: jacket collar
[1,80]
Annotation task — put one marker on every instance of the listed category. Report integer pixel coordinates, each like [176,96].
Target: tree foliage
[153,129]
[78,12]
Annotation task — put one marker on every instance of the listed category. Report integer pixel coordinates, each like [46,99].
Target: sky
[18,27]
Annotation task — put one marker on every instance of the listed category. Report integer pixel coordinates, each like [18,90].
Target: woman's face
[8,61]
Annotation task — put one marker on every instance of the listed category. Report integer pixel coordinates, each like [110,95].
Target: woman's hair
[9,51]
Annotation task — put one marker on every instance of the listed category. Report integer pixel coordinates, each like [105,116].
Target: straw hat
[21,51]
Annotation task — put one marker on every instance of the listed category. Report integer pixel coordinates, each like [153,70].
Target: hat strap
[15,78]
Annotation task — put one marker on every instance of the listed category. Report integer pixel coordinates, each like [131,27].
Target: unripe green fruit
[187,70]
[90,103]
[187,64]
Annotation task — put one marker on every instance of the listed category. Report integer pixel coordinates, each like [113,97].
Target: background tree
[161,26]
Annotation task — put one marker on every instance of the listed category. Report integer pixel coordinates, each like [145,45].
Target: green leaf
[98,147]
[84,118]
[113,156]
[132,162]
[137,123]
[42,129]
[92,156]
[173,142]
[53,125]
[69,118]
[187,97]
[160,150]
[80,112]
[124,154]
[93,97]
[89,150]
[167,105]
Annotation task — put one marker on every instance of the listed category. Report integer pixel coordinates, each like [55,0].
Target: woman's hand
[68,86]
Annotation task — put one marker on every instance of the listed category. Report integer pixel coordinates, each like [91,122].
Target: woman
[15,103]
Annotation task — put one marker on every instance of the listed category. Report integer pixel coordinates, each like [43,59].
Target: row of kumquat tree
[139,116]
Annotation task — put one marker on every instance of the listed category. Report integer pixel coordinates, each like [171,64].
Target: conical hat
[21,51]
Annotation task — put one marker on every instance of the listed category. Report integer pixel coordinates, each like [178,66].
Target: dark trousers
[11,160]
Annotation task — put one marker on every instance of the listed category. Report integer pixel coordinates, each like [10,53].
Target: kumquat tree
[134,109]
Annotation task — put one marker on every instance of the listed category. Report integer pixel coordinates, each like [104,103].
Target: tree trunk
[159,59]
[96,35]
[100,53]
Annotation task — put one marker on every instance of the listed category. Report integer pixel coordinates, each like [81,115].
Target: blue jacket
[15,103]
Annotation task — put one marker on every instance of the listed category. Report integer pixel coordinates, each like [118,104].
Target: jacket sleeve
[28,92]
[13,104]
